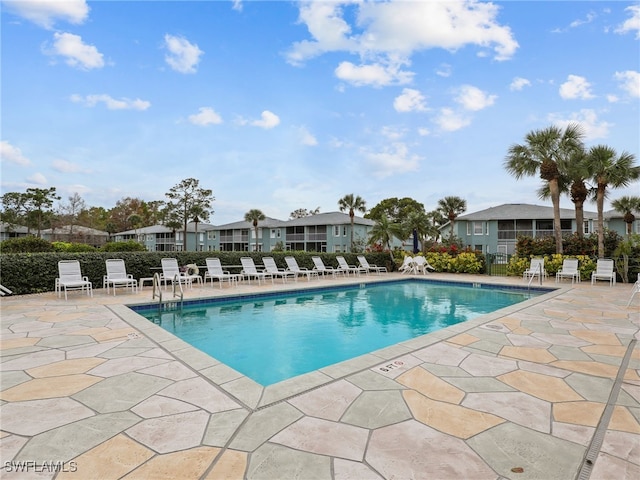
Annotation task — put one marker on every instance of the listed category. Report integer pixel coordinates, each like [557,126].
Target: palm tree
[451,207]
[627,205]
[545,152]
[384,231]
[352,203]
[254,216]
[197,211]
[417,224]
[608,169]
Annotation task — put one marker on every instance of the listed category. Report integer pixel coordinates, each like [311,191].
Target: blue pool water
[272,337]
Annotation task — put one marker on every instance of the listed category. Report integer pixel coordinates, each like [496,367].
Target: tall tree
[544,152]
[70,211]
[303,212]
[14,209]
[609,170]
[254,216]
[187,195]
[352,203]
[384,231]
[417,224]
[40,202]
[451,208]
[627,205]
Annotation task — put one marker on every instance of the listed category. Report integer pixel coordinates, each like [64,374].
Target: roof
[329,218]
[616,214]
[268,222]
[77,230]
[191,227]
[12,227]
[522,211]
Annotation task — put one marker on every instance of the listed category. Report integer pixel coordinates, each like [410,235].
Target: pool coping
[254,396]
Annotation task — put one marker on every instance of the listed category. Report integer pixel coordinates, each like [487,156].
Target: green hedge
[25,273]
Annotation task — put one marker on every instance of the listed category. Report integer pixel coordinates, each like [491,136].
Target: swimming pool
[273,337]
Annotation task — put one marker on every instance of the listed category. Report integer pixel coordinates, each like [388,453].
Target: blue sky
[286,105]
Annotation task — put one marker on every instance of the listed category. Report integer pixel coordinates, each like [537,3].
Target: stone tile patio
[91,390]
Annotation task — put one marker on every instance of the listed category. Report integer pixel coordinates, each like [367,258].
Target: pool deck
[545,389]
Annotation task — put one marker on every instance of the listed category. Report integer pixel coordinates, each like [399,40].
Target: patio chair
[292,266]
[604,271]
[171,273]
[117,276]
[408,265]
[345,267]
[370,268]
[634,290]
[215,271]
[70,278]
[321,268]
[536,268]
[421,265]
[250,271]
[569,269]
[271,267]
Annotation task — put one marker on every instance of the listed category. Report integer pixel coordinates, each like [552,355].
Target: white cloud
[474,99]
[629,82]
[631,24]
[63,166]
[519,83]
[37,178]
[392,133]
[377,74]
[589,18]
[306,137]
[111,103]
[409,101]
[423,131]
[76,53]
[183,56]
[205,116]
[444,70]
[451,121]
[237,5]
[588,120]
[576,87]
[11,154]
[394,159]
[45,13]
[267,120]
[399,28]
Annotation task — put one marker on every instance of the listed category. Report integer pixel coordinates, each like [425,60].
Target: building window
[477,228]
[336,231]
[344,231]
[585,227]
[468,228]
[273,233]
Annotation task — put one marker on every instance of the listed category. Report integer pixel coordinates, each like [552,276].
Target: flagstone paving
[91,390]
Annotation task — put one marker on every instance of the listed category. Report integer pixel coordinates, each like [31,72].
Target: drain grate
[601,430]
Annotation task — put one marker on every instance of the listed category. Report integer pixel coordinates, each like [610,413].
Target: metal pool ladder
[531,279]
[157,292]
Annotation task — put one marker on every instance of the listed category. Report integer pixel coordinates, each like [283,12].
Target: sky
[278,105]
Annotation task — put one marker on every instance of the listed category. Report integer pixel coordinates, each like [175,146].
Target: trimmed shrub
[27,244]
[73,247]
[128,246]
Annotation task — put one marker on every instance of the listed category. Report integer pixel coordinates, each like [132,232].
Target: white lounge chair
[292,266]
[421,265]
[117,276]
[536,268]
[635,289]
[364,263]
[70,278]
[569,269]
[215,271]
[250,271]
[345,267]
[604,271]
[171,273]
[408,265]
[271,267]
[321,268]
